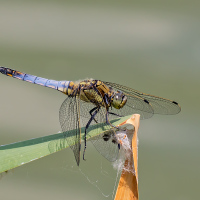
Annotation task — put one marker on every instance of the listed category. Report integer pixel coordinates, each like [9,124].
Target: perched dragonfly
[97,102]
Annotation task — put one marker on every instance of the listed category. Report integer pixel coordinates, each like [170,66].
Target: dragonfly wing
[159,105]
[69,116]
[107,144]
[133,105]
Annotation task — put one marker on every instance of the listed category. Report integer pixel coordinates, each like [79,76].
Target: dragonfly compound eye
[119,100]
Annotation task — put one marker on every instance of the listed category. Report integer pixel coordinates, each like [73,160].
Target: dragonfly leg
[108,122]
[115,114]
[93,109]
[96,109]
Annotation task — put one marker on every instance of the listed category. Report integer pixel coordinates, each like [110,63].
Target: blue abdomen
[57,85]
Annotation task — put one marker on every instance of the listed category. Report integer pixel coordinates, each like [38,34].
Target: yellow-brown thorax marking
[87,93]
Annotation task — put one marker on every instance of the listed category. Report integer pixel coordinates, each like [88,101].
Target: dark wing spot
[146,101]
[175,102]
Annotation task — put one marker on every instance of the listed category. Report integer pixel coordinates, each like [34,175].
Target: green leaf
[19,153]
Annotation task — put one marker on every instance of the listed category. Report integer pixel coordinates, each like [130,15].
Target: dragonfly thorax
[118,100]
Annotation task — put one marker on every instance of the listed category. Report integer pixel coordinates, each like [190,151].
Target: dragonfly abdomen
[57,85]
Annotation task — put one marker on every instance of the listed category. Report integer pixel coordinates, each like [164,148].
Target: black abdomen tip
[3,70]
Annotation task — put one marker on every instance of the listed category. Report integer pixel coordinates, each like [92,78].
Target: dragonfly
[97,102]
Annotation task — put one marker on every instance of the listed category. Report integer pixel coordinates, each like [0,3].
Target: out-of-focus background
[151,46]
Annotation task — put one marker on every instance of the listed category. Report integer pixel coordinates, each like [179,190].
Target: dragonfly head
[119,100]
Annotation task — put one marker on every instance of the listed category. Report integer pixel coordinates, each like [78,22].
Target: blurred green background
[151,46]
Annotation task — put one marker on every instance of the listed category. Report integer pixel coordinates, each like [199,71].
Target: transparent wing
[133,105]
[69,116]
[107,144]
[145,104]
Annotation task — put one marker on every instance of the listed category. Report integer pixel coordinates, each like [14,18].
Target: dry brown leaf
[128,183]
